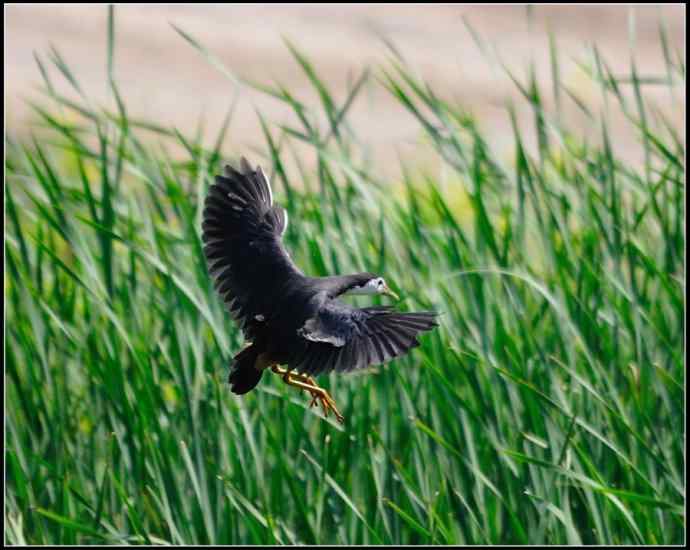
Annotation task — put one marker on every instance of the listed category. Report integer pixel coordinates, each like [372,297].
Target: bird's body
[290,318]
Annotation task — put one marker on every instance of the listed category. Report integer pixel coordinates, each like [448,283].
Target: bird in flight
[292,319]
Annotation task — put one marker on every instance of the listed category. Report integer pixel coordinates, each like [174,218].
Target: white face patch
[373,286]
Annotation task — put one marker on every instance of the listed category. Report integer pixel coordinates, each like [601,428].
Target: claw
[318,395]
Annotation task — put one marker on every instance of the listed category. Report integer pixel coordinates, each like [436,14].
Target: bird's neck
[337,285]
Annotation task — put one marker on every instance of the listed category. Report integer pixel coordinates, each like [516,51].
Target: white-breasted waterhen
[289,318]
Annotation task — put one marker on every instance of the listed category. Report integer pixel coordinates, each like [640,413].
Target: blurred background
[541,209]
[164,79]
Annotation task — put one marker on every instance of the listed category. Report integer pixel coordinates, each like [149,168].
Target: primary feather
[242,231]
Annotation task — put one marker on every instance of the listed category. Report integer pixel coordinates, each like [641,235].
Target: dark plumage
[291,319]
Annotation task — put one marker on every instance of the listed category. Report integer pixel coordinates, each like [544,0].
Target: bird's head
[368,283]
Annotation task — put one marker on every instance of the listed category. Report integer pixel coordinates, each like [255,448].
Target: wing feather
[342,338]
[241,232]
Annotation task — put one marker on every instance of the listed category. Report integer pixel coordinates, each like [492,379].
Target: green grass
[547,408]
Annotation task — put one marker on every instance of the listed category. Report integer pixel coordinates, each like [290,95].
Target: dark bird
[289,318]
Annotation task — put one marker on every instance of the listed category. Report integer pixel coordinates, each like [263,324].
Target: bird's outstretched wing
[342,338]
[242,231]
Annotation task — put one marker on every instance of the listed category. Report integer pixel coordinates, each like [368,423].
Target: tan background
[166,81]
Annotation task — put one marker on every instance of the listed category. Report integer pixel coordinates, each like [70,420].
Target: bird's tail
[243,375]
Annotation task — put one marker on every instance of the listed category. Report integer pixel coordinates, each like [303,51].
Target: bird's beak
[388,292]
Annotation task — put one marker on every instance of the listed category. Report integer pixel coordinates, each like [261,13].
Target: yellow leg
[307,383]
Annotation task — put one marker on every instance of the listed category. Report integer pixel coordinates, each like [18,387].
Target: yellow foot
[318,395]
